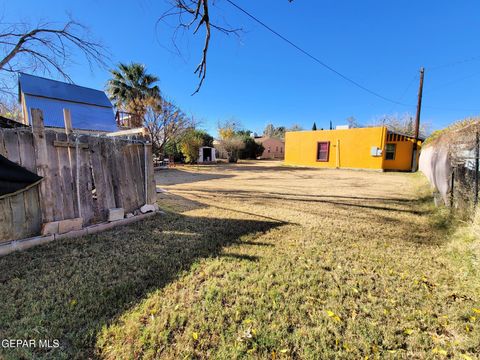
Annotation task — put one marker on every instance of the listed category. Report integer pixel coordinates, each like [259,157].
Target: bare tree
[352,122]
[403,124]
[45,48]
[164,122]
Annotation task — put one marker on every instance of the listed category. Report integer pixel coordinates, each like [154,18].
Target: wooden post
[77,175]
[41,157]
[67,118]
[417,120]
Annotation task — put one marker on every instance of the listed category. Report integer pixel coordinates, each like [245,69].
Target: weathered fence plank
[41,158]
[72,158]
[33,216]
[152,186]
[65,172]
[101,206]
[86,183]
[3,150]
[139,153]
[126,175]
[6,228]
[17,202]
[108,173]
[53,174]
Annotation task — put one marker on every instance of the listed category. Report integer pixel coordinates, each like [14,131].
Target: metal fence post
[452,188]
[477,155]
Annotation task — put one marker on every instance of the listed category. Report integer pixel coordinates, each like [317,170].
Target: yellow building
[374,148]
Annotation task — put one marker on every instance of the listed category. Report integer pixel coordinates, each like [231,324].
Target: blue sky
[259,79]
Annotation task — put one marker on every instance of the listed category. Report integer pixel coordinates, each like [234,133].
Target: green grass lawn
[256,261]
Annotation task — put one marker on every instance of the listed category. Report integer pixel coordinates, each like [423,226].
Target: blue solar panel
[38,86]
[84,116]
[90,109]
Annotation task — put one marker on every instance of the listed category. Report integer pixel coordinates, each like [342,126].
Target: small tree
[251,149]
[190,144]
[352,122]
[207,138]
[274,132]
[230,141]
[295,127]
[172,150]
[314,127]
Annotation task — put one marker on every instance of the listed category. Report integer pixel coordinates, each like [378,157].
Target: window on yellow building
[390,152]
[322,150]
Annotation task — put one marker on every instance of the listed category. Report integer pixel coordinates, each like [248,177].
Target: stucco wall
[274,149]
[403,156]
[354,147]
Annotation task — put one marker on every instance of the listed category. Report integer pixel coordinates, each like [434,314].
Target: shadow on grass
[69,289]
[401,213]
[176,176]
[343,201]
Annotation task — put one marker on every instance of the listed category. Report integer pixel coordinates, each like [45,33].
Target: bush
[190,145]
[252,149]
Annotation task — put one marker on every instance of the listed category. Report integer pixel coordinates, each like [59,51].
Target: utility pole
[417,120]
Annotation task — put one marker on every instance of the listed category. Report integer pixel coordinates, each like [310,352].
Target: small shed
[206,155]
[90,109]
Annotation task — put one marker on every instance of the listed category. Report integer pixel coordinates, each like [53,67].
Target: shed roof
[53,89]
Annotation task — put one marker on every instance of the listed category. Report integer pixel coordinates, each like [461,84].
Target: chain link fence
[451,163]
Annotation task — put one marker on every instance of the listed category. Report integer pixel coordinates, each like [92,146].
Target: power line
[454,81]
[454,63]
[404,92]
[346,78]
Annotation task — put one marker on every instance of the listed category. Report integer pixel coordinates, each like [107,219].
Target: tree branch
[47,48]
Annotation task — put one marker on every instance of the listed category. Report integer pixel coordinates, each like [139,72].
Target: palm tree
[131,88]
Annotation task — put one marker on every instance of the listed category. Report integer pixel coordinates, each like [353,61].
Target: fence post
[452,188]
[477,155]
[41,157]
[67,118]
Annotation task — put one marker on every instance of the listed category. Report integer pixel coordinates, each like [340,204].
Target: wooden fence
[83,176]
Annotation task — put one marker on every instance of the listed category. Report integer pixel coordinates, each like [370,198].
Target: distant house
[358,148]
[274,148]
[90,109]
